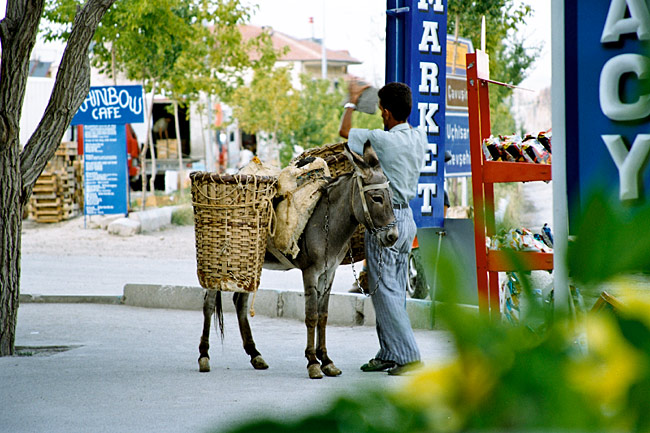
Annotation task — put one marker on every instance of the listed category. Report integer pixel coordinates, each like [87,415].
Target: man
[400,149]
[161,126]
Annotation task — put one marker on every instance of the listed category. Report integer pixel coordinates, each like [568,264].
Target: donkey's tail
[218,315]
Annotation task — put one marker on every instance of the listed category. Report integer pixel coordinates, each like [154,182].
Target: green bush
[183,216]
[581,371]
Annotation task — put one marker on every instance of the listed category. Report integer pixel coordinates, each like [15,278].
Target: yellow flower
[432,386]
[610,366]
[448,392]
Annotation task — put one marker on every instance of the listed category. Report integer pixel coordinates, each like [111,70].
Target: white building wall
[37,96]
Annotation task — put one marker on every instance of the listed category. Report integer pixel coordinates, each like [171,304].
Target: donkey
[360,197]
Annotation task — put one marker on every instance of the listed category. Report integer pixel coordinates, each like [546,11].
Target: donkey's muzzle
[388,237]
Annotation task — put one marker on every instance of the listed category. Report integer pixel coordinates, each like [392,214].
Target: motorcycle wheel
[417,287]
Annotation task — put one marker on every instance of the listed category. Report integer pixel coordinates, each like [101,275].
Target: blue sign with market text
[111,105]
[416,47]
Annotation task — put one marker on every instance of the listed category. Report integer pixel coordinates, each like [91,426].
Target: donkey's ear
[370,156]
[356,160]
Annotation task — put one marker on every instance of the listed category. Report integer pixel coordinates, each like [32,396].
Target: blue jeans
[390,266]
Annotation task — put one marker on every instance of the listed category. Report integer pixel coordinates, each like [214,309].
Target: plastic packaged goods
[512,148]
[519,239]
[535,151]
[491,148]
[545,139]
[547,235]
[511,145]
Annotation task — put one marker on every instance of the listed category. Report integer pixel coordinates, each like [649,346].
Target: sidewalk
[130,369]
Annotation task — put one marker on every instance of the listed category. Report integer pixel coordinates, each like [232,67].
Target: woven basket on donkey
[339,164]
[232,214]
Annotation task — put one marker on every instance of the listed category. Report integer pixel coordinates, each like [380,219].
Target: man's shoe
[378,365]
[361,284]
[355,289]
[404,368]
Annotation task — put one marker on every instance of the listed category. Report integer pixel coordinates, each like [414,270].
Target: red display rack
[484,175]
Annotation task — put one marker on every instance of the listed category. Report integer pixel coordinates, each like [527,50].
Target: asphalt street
[115,368]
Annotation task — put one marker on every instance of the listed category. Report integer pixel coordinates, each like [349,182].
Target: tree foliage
[185,46]
[295,118]
[320,107]
[510,58]
[268,104]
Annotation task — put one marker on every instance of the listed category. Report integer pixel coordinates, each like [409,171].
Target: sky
[359,27]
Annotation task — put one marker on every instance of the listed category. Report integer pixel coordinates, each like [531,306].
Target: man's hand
[355,89]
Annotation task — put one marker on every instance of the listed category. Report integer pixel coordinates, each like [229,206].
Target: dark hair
[396,98]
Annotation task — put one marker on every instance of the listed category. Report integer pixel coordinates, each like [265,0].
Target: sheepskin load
[299,185]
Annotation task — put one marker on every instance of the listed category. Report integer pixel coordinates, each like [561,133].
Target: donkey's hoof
[258,363]
[315,371]
[331,370]
[204,365]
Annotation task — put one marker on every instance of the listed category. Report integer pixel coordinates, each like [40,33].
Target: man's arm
[354,90]
[346,122]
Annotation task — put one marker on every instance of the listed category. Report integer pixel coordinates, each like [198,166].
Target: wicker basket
[339,164]
[232,214]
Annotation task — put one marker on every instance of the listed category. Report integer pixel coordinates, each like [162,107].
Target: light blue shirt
[401,155]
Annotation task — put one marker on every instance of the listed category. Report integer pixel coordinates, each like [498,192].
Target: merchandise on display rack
[498,160]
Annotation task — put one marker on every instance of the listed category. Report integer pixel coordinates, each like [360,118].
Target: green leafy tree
[319,109]
[182,46]
[269,105]
[20,166]
[509,58]
[177,47]
[319,113]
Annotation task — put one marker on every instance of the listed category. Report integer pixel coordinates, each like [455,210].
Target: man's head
[395,98]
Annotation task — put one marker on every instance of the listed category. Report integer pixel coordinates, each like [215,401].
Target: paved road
[134,370]
[44,274]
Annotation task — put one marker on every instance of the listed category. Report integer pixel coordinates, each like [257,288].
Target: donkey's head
[371,197]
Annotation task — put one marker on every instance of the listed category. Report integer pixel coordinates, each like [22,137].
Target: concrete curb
[70,299]
[346,309]
[153,219]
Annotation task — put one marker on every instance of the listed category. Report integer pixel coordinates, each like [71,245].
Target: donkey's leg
[327,365]
[311,317]
[241,303]
[209,305]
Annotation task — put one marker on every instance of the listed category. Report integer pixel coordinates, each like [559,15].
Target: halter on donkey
[361,197]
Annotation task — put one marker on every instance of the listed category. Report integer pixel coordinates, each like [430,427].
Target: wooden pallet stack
[167,149]
[58,192]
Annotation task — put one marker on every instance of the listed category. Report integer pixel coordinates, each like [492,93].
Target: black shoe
[378,365]
[355,289]
[400,369]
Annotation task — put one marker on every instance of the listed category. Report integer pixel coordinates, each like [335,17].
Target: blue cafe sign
[111,105]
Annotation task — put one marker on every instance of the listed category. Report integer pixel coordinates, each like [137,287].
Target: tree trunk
[179,178]
[18,35]
[148,143]
[19,170]
[11,220]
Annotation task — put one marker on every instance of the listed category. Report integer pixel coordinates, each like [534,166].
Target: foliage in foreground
[584,371]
